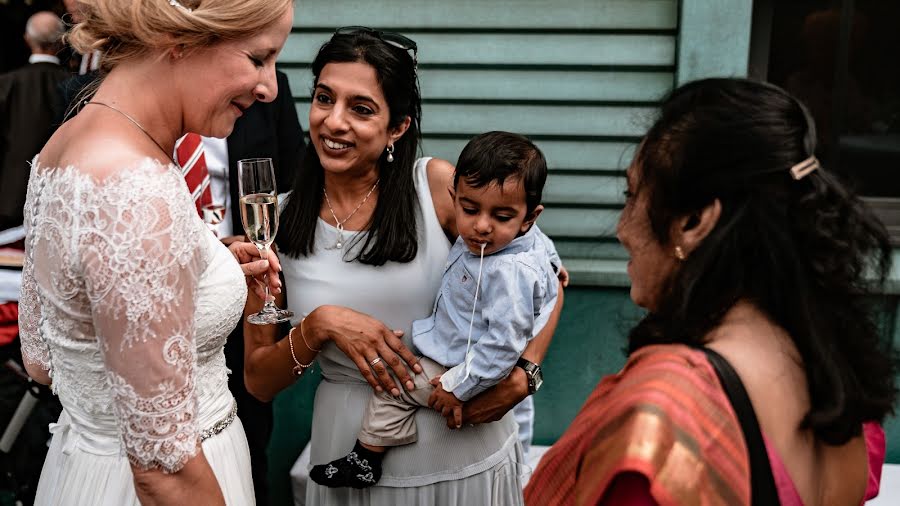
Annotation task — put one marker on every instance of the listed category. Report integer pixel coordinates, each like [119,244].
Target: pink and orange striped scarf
[665,416]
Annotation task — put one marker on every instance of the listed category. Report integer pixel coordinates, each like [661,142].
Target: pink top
[633,489]
[875,448]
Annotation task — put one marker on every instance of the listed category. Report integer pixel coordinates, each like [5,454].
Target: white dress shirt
[215,151]
[41,58]
[90,62]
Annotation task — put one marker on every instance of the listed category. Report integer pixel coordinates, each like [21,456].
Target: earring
[390,153]
[679,253]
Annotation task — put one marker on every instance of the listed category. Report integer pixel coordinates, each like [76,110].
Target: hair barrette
[802,169]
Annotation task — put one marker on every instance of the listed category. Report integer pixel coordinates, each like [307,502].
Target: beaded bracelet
[299,368]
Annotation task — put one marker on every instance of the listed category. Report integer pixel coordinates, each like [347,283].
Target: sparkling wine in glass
[259,214]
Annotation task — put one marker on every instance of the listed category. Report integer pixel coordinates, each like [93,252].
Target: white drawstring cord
[452,382]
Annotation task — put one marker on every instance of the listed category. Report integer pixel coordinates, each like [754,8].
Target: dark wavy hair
[806,252]
[492,157]
[392,230]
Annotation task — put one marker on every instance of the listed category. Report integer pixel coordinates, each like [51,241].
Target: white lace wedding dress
[126,301]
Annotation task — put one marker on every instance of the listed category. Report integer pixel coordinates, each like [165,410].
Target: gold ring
[375,361]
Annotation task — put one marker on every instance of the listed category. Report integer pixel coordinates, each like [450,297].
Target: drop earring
[679,253]
[390,153]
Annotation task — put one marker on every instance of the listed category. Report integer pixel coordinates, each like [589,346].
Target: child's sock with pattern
[361,468]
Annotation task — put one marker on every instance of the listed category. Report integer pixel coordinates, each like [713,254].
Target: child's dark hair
[494,156]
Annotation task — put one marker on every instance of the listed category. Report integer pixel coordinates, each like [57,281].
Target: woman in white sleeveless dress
[364,239]
[127,297]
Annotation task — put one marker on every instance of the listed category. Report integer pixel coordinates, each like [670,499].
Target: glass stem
[268,304]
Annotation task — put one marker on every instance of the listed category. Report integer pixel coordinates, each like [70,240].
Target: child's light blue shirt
[519,289]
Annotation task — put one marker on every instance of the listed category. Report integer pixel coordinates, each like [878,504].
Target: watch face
[538,379]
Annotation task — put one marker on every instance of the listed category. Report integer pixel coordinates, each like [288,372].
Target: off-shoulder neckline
[138,167]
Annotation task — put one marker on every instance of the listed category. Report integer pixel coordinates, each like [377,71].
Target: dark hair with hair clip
[392,230]
[803,251]
[493,157]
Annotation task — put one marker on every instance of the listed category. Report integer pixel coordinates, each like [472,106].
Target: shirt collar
[522,243]
[43,58]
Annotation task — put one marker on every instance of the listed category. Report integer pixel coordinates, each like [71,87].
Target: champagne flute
[213,215]
[259,214]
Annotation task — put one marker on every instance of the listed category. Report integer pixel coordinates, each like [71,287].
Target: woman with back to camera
[127,297]
[740,243]
[364,239]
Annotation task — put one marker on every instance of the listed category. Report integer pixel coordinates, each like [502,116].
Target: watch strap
[530,369]
[526,364]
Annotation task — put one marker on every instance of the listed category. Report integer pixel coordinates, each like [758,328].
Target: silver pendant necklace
[94,102]
[340,223]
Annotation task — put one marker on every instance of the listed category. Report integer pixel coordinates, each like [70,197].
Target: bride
[127,298]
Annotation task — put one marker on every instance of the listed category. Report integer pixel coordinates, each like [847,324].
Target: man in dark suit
[29,104]
[267,131]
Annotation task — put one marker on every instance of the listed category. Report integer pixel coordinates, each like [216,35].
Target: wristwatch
[533,373]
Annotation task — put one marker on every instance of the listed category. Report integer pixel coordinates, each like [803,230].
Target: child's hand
[563,276]
[446,403]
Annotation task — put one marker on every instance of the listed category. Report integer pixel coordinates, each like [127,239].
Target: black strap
[762,483]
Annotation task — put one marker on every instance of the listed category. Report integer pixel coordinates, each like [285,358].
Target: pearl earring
[679,253]
[390,153]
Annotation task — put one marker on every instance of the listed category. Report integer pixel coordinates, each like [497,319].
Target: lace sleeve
[141,254]
[34,350]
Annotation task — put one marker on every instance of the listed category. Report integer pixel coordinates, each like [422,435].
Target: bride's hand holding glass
[259,215]
[260,272]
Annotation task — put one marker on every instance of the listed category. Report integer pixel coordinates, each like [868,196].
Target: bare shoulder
[763,355]
[771,369]
[97,147]
[440,179]
[440,174]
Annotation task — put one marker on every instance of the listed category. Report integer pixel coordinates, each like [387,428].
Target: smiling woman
[757,267]
[364,125]
[127,298]
[367,232]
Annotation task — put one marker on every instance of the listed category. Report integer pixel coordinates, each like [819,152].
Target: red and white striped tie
[189,151]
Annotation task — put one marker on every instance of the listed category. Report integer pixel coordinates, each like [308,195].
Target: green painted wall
[713,39]
[293,425]
[580,77]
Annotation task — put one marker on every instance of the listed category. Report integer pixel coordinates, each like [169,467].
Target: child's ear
[452,192]
[531,218]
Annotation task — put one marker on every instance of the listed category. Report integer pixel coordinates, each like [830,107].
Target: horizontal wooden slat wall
[491,14]
[579,77]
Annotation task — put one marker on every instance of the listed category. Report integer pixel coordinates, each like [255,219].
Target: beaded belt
[221,424]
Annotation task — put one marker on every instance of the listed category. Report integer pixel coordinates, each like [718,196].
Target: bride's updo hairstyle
[126,29]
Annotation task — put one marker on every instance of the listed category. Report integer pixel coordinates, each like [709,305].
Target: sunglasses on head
[392,38]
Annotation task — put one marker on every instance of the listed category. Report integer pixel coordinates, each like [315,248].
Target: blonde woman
[127,298]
